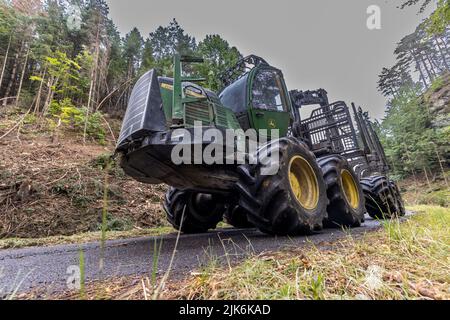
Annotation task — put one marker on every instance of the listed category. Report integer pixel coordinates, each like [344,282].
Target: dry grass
[417,191]
[123,288]
[403,261]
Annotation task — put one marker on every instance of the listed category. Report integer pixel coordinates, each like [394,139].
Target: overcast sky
[317,43]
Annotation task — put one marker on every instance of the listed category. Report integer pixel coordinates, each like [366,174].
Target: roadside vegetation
[408,260]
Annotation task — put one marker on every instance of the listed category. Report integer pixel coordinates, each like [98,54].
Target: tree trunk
[426,176]
[444,43]
[13,76]
[432,64]
[430,76]
[443,54]
[5,62]
[19,91]
[93,78]
[50,84]
[39,94]
[422,75]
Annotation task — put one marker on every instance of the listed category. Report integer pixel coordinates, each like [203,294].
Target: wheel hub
[350,189]
[304,183]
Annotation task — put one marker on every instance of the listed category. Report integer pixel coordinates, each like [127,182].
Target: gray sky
[317,43]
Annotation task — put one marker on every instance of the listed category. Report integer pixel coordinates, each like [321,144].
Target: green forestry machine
[330,172]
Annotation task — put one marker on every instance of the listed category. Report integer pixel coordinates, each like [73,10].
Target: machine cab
[259,98]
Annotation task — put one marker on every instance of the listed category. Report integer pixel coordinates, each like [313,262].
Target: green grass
[407,260]
[435,197]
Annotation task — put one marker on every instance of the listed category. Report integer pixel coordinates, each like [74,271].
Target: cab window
[234,96]
[267,91]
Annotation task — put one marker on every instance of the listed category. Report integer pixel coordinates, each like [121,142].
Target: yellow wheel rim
[350,189]
[304,183]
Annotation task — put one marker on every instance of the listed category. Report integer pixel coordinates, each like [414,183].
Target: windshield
[267,91]
[234,96]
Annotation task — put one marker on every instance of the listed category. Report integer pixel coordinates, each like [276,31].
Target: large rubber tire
[202,212]
[383,198]
[347,203]
[400,205]
[269,200]
[237,217]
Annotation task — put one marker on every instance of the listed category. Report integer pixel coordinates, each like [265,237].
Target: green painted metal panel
[198,112]
[262,119]
[225,118]
[167,99]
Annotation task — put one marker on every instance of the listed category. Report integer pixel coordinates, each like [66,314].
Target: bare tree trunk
[13,75]
[39,94]
[93,78]
[443,54]
[444,43]
[430,76]
[432,64]
[5,62]
[51,83]
[22,77]
[422,75]
[426,176]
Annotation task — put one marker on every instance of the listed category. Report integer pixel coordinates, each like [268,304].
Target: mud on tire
[271,202]
[347,203]
[383,198]
[202,212]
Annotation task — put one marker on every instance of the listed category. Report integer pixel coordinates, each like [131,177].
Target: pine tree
[219,57]
[148,61]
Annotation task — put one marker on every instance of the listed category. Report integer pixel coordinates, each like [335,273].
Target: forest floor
[52,188]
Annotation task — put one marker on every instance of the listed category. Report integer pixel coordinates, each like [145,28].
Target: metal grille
[225,118]
[198,112]
[332,127]
[137,105]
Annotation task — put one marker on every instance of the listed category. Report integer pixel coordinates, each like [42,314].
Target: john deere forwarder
[330,174]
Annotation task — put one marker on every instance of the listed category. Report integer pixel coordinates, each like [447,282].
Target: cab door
[269,104]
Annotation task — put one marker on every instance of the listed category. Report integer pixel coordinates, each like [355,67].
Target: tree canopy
[55,35]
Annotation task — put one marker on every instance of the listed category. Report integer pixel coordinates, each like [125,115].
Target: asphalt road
[49,268]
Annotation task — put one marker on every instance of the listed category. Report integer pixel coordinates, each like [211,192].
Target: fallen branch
[7,98]
[57,180]
[110,129]
[16,125]
[112,93]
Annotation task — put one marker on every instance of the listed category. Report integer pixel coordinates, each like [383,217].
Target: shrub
[30,119]
[75,118]
[437,84]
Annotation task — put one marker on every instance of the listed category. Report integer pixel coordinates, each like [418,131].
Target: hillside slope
[55,186]
[437,99]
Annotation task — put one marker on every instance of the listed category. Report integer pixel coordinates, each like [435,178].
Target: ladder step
[190,59]
[188,79]
[191,100]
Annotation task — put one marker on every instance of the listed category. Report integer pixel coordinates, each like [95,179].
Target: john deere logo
[272,124]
